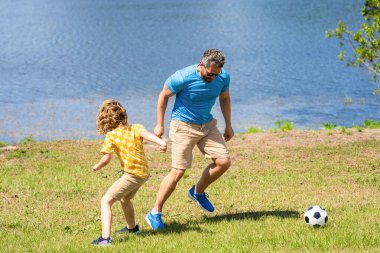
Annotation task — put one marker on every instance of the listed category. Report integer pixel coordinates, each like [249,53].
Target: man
[196,88]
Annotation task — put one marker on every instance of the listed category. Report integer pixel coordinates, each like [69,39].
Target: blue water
[60,59]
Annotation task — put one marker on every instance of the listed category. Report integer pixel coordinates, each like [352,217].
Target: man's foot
[126,230]
[201,200]
[102,242]
[154,220]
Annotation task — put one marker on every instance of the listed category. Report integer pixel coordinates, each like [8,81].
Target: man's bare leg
[167,187]
[211,173]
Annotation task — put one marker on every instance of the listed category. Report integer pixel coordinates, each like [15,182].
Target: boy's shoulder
[138,128]
[122,130]
[114,133]
[137,125]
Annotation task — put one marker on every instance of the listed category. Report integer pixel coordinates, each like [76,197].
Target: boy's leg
[167,187]
[129,212]
[126,186]
[106,214]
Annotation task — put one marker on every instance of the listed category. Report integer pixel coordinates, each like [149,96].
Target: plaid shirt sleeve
[108,146]
[138,128]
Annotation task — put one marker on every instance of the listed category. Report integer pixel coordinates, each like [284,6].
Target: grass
[50,198]
[283,125]
[287,126]
[3,144]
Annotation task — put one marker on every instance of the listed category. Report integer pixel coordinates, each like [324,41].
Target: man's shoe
[102,242]
[126,230]
[201,200]
[154,220]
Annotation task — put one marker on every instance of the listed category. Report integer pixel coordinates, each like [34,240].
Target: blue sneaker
[102,242]
[201,200]
[154,220]
[126,230]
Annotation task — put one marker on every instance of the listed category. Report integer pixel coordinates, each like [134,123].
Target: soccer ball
[315,216]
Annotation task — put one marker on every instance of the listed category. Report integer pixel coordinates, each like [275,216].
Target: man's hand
[159,130]
[228,133]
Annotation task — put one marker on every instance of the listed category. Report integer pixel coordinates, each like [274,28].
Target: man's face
[209,73]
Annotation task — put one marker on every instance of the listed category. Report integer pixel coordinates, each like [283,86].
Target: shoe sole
[196,201]
[103,245]
[128,233]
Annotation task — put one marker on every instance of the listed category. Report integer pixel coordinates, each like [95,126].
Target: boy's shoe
[126,230]
[154,220]
[201,200]
[102,242]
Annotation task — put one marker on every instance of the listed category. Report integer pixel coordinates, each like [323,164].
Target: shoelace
[204,194]
[157,217]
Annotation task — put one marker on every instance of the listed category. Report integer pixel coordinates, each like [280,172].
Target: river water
[60,59]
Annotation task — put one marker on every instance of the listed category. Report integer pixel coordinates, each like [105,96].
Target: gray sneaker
[125,230]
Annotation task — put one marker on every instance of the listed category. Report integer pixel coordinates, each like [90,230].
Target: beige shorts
[126,186]
[184,136]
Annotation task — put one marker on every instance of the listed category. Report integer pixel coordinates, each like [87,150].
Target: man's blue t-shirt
[195,97]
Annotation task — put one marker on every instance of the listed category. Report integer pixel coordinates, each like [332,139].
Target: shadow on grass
[252,215]
[177,228]
[170,229]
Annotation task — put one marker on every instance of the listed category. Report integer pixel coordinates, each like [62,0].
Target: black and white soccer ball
[315,216]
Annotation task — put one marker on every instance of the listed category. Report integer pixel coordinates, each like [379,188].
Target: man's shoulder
[224,76]
[224,73]
[188,71]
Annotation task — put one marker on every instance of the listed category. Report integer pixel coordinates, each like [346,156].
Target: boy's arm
[153,138]
[103,162]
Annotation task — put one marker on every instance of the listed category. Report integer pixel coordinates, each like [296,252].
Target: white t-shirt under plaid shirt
[126,142]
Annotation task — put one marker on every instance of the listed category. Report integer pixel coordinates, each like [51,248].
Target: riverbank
[50,198]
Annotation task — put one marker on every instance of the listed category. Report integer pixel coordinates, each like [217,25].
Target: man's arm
[225,106]
[162,103]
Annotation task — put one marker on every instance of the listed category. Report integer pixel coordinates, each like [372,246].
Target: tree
[365,42]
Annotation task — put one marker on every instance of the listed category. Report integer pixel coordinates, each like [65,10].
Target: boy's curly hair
[111,115]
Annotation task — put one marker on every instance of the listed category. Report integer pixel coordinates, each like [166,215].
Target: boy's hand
[96,167]
[162,148]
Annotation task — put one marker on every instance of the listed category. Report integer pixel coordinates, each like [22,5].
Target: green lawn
[50,198]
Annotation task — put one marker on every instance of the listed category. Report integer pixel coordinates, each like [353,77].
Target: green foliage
[3,144]
[365,43]
[358,128]
[283,125]
[329,126]
[254,130]
[19,153]
[344,130]
[28,140]
[369,123]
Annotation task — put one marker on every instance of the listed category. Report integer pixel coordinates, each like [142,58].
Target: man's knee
[223,163]
[176,174]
